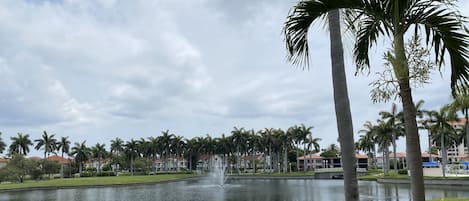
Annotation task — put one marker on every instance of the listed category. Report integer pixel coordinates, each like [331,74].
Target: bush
[106,174]
[402,171]
[86,174]
[90,169]
[106,167]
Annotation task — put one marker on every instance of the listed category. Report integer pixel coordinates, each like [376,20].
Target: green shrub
[106,174]
[86,174]
[90,169]
[402,171]
[106,167]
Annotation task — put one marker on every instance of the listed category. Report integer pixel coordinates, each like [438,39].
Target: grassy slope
[95,181]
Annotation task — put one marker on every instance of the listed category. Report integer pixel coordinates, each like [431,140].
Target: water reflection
[249,190]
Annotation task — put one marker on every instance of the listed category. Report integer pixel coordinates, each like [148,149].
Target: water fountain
[217,172]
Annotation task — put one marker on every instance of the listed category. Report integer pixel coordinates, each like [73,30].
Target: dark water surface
[234,190]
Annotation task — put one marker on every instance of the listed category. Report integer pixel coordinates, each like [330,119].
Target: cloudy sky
[98,69]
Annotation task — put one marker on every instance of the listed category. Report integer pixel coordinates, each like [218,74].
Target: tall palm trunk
[443,155]
[254,158]
[467,131]
[99,163]
[62,166]
[394,151]
[297,159]
[430,145]
[342,109]
[414,158]
[285,160]
[304,158]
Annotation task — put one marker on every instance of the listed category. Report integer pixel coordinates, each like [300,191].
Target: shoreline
[446,182]
[3,190]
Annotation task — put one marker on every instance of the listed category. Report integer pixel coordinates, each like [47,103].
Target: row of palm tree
[442,132]
[274,145]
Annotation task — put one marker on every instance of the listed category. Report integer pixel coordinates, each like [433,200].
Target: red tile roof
[310,156]
[59,159]
[360,156]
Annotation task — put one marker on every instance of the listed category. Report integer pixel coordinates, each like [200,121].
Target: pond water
[233,190]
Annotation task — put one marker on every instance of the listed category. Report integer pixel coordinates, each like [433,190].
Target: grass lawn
[450,199]
[96,181]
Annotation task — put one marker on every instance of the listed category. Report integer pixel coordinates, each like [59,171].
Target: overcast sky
[98,69]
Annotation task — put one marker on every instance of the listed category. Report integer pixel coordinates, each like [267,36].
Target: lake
[234,190]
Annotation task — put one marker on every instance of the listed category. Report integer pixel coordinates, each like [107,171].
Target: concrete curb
[448,182]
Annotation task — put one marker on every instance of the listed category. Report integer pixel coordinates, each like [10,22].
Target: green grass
[450,199]
[95,181]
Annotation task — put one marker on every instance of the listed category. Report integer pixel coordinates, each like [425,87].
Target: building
[457,152]
[314,162]
[401,158]
[3,162]
[171,164]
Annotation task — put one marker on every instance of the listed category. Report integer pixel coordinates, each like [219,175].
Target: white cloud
[99,69]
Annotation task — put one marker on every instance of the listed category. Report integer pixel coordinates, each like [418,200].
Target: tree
[383,136]
[461,102]
[367,142]
[443,134]
[2,144]
[296,38]
[131,150]
[392,119]
[82,153]
[165,142]
[64,146]
[444,31]
[20,144]
[48,143]
[117,146]
[98,151]
[239,140]
[306,136]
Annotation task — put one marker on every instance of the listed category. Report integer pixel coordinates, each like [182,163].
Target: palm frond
[446,32]
[299,21]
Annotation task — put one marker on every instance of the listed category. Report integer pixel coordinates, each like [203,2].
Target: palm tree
[297,137]
[461,102]
[296,38]
[82,153]
[48,143]
[443,134]
[383,136]
[2,144]
[268,141]
[304,133]
[154,149]
[427,122]
[444,30]
[393,119]
[367,144]
[99,151]
[20,144]
[165,141]
[369,141]
[131,150]
[311,143]
[178,147]
[239,140]
[64,146]
[117,146]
